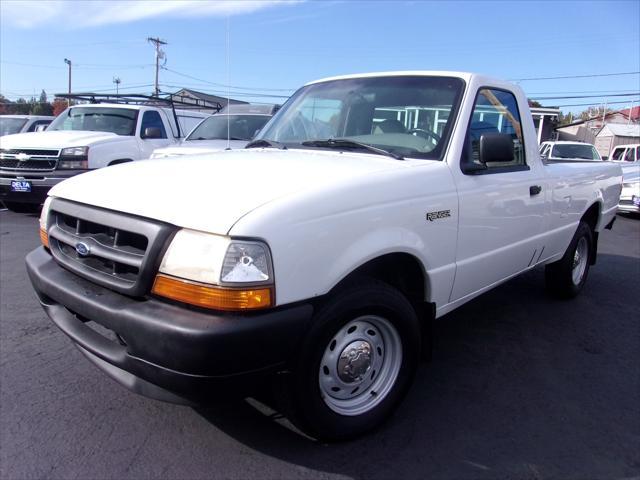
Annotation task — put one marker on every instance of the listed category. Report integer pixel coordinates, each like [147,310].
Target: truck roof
[427,73]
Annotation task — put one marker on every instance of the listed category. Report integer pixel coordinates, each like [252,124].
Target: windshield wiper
[263,142]
[216,138]
[346,143]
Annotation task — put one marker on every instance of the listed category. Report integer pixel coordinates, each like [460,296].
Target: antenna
[228,93]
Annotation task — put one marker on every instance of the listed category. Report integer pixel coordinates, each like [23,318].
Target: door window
[628,157]
[617,154]
[495,111]
[152,119]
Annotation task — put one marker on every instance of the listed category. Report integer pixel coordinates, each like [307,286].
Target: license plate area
[20,186]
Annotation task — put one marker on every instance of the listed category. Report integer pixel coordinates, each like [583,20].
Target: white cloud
[81,13]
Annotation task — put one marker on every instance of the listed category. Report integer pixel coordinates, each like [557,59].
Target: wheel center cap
[354,361]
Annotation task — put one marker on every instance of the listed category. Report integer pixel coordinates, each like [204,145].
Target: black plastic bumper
[41,183]
[170,352]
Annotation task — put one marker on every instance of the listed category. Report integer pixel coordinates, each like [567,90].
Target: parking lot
[520,386]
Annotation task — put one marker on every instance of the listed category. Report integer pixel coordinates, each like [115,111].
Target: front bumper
[170,352]
[41,183]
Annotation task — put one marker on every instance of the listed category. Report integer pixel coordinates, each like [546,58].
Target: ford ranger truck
[317,257]
[82,138]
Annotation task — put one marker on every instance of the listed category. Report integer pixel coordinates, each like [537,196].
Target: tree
[58,106]
[534,103]
[42,107]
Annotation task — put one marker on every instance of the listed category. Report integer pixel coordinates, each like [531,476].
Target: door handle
[534,190]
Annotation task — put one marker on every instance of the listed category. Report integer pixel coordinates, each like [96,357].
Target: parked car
[317,257]
[568,151]
[625,153]
[10,124]
[630,195]
[82,138]
[232,128]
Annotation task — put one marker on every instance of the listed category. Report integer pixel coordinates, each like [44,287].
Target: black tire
[303,395]
[559,276]
[23,207]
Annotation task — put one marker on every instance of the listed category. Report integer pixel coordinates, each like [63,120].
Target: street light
[68,62]
[117,81]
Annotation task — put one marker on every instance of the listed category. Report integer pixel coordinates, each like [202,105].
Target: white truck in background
[85,137]
[317,257]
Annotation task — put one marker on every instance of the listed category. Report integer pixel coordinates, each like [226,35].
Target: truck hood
[212,192]
[55,139]
[194,147]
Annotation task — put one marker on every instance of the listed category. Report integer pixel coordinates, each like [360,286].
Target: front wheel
[357,363]
[566,277]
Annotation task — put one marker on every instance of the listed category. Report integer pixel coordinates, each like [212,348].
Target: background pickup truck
[317,257]
[82,138]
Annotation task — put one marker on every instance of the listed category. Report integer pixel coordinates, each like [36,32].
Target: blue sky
[275,47]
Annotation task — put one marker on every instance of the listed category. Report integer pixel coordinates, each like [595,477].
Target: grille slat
[115,250]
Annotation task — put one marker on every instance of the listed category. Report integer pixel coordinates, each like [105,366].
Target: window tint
[152,119]
[121,121]
[617,154]
[580,151]
[238,127]
[629,155]
[9,126]
[495,111]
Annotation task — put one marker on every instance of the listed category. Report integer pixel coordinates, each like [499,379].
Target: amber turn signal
[44,238]
[211,296]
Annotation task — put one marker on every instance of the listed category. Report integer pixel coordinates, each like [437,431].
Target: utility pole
[68,62]
[117,81]
[159,54]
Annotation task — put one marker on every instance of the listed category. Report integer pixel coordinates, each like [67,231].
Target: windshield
[121,121]
[241,127]
[9,126]
[409,116]
[570,150]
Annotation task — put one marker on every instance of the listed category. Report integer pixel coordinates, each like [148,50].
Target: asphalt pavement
[520,386]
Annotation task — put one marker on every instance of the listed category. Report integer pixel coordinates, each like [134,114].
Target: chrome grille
[30,159]
[118,251]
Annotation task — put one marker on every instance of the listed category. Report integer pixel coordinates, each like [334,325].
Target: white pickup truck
[81,138]
[317,257]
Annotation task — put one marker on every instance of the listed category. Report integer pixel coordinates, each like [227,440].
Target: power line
[588,96]
[230,86]
[574,76]
[627,102]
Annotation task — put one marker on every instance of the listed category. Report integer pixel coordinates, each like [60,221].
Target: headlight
[44,219]
[74,158]
[215,271]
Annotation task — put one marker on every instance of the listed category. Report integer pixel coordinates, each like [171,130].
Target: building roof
[622,130]
[633,112]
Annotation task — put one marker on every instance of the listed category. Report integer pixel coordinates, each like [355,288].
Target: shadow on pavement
[520,385]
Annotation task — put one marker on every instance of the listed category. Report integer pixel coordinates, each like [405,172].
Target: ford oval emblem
[82,249]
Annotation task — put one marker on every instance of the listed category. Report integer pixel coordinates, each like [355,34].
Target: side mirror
[152,132]
[496,147]
[41,128]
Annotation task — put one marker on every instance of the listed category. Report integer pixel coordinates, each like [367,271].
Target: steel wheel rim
[580,259]
[360,365]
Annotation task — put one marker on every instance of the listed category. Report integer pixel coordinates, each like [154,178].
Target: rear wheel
[357,363]
[566,277]
[22,207]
